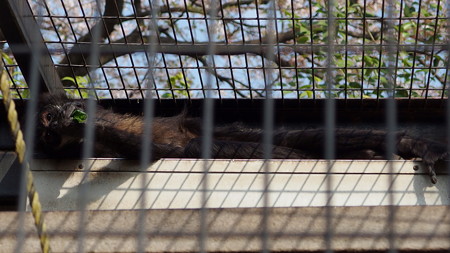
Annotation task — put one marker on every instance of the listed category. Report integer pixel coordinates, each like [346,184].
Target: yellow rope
[33,196]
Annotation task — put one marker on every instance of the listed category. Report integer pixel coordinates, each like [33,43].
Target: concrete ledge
[178,184]
[419,228]
[6,161]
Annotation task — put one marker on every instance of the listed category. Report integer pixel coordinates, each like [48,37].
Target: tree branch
[228,80]
[80,57]
[192,9]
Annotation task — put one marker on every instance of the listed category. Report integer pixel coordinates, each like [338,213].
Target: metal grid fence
[240,49]
[297,44]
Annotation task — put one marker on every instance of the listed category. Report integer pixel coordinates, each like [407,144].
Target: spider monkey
[119,135]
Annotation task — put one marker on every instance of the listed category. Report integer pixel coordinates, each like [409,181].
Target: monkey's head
[56,123]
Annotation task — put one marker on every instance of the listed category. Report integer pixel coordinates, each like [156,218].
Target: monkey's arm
[117,135]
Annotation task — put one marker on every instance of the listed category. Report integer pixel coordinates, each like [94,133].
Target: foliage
[81,83]
[19,88]
[364,74]
[179,86]
[362,65]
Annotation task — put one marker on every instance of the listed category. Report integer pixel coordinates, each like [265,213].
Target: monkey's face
[57,124]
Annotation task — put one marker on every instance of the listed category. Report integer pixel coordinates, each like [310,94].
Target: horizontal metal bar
[188,48]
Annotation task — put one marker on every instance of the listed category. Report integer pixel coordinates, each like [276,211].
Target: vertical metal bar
[330,119]
[346,69]
[416,42]
[146,141]
[191,25]
[313,83]
[66,49]
[268,121]
[380,58]
[207,138]
[34,86]
[89,131]
[241,25]
[364,21]
[397,53]
[447,84]
[230,63]
[432,54]
[175,37]
[391,113]
[296,63]
[138,27]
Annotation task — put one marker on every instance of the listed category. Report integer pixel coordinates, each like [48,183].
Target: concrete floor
[375,206]
[178,184]
[421,228]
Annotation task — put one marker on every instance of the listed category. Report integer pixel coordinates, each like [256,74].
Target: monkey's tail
[188,124]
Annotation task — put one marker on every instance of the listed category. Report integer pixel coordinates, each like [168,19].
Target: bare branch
[80,53]
[77,57]
[191,9]
[228,80]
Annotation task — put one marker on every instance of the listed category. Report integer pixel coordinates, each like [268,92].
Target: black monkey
[60,133]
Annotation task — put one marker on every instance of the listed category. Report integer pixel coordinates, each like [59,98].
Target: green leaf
[401,93]
[409,11]
[8,59]
[354,85]
[303,39]
[436,61]
[68,78]
[167,95]
[306,94]
[79,116]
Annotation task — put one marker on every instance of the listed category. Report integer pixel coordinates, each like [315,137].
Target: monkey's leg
[430,151]
[348,142]
[310,140]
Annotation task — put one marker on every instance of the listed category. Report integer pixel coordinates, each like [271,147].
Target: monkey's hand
[72,119]
[428,150]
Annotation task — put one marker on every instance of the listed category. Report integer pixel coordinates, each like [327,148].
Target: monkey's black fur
[119,135]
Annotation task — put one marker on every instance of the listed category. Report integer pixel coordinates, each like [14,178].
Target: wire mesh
[220,50]
[359,58]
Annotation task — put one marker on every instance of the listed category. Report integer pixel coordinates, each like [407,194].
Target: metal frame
[18,16]
[387,112]
[22,33]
